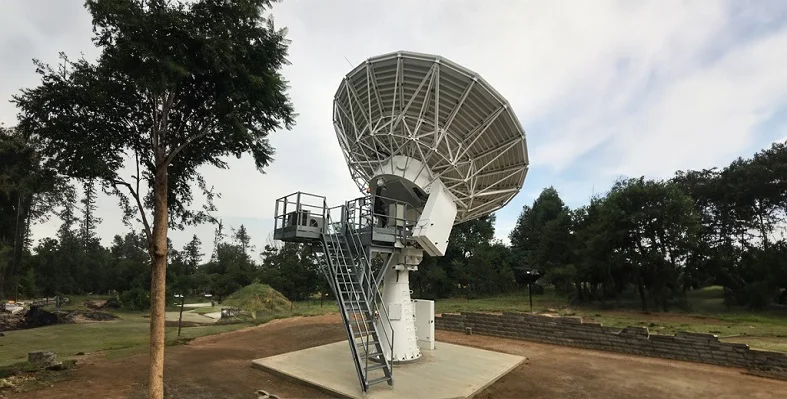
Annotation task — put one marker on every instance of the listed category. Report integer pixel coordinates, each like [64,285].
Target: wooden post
[180,317]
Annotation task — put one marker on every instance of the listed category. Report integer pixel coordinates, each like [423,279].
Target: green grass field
[129,333]
[125,336]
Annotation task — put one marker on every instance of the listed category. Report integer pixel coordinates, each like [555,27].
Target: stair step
[376,366]
[361,330]
[377,381]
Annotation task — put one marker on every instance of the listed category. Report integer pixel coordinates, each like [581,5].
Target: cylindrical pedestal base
[401,312]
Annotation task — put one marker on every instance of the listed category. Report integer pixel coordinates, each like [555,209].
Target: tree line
[662,238]
[652,239]
[75,262]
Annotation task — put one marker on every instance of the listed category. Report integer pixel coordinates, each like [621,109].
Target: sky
[604,89]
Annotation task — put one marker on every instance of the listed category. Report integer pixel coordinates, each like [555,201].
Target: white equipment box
[424,323]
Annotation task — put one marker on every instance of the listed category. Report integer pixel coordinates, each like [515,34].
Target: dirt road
[219,367]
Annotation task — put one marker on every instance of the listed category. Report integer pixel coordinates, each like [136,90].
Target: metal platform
[449,371]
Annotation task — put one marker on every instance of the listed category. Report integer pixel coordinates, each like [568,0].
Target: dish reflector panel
[440,113]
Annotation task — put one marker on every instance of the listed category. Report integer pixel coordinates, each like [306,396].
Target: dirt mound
[258,298]
[84,316]
[38,317]
[112,303]
[97,304]
[97,316]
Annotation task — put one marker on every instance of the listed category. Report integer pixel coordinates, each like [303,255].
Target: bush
[758,295]
[135,299]
[755,295]
[562,278]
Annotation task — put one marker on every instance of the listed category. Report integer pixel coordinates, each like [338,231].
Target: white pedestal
[401,312]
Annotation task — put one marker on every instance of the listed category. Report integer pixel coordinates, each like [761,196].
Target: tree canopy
[664,237]
[177,86]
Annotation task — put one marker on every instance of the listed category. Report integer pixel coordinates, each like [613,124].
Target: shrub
[135,299]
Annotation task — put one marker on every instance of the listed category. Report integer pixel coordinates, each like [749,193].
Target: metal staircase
[360,303]
[345,263]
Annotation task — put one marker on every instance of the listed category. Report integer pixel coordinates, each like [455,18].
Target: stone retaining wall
[571,331]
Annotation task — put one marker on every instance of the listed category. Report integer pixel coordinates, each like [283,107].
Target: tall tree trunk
[19,242]
[158,283]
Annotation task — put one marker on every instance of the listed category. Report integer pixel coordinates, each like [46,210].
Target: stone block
[635,332]
[43,359]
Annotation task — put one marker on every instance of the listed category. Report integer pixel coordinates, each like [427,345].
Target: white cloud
[603,88]
[708,115]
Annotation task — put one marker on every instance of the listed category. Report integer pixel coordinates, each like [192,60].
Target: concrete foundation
[449,371]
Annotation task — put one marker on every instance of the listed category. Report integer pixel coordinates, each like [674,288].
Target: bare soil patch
[219,366]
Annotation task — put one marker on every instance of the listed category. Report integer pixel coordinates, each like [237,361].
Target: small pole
[530,291]
[182,302]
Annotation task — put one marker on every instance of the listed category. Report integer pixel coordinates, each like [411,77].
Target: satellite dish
[430,144]
[402,107]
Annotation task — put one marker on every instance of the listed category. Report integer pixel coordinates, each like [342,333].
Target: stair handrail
[349,314]
[351,239]
[372,291]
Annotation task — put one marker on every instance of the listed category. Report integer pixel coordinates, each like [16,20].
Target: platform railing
[293,209]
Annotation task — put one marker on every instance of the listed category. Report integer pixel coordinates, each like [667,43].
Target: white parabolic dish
[440,113]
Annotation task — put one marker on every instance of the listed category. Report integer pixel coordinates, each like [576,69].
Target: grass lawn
[127,335]
[765,330]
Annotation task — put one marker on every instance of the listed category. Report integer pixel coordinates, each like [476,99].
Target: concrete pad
[448,371]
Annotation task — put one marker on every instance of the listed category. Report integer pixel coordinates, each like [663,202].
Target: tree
[291,270]
[654,227]
[87,233]
[218,238]
[541,235]
[241,237]
[29,191]
[192,253]
[177,86]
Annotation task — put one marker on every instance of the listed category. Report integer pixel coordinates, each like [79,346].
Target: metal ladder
[348,270]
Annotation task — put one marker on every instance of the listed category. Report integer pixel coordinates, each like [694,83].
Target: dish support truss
[428,108]
[366,262]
